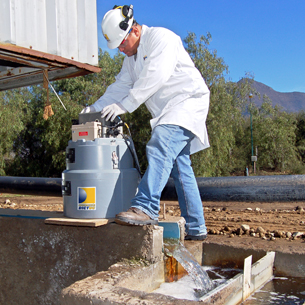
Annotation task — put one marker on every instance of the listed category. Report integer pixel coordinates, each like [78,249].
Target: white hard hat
[116,24]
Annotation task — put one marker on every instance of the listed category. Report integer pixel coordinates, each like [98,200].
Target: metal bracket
[66,188]
[70,155]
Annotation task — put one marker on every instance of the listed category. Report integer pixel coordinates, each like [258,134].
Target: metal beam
[21,67]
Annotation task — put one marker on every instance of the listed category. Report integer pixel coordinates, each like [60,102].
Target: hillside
[289,101]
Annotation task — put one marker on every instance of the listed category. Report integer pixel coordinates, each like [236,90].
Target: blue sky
[262,37]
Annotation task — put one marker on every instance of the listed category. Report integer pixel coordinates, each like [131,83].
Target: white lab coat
[163,76]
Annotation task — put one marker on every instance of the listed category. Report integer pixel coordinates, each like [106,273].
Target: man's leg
[188,196]
[166,143]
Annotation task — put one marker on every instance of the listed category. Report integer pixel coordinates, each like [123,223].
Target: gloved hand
[88,109]
[111,111]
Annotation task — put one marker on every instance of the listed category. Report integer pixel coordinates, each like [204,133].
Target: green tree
[13,116]
[85,90]
[241,152]
[274,132]
[300,134]
[224,116]
[40,146]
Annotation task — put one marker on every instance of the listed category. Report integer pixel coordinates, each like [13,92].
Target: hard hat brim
[113,44]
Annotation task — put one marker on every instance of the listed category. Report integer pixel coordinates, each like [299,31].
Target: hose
[132,149]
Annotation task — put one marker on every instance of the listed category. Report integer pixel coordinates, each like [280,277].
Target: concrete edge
[209,253]
[127,282]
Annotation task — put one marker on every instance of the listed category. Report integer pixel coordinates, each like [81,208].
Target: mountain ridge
[288,101]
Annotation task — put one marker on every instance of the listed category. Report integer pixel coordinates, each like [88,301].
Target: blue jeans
[168,153]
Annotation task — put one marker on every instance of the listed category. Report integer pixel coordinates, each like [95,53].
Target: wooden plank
[65,221]
[233,291]
[262,271]
[229,293]
[247,277]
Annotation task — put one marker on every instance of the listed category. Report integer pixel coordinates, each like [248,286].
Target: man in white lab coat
[159,72]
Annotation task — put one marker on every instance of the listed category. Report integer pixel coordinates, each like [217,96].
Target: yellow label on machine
[86,198]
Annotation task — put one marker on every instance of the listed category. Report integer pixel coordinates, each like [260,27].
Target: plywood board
[65,221]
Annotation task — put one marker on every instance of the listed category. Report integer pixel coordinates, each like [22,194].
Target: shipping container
[56,36]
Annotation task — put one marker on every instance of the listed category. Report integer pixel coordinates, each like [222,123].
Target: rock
[231,235]
[252,234]
[278,234]
[239,232]
[171,212]
[297,234]
[288,234]
[248,209]
[226,228]
[7,201]
[245,227]
[257,209]
[260,230]
[269,234]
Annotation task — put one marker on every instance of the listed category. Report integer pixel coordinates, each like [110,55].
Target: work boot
[134,217]
[195,237]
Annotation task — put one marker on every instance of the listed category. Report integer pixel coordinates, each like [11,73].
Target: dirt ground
[270,226]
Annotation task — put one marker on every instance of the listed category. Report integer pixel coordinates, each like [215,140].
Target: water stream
[201,280]
[185,287]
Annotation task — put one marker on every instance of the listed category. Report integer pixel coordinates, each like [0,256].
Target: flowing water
[200,278]
[185,288]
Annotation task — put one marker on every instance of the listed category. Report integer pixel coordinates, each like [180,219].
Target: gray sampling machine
[102,170]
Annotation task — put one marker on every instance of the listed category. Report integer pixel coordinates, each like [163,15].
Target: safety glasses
[123,41]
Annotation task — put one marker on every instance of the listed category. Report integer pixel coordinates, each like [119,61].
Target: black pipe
[250,188]
[255,188]
[31,186]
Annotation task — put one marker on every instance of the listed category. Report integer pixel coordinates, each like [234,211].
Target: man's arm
[117,91]
[158,67]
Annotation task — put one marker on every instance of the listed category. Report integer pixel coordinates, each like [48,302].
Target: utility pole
[253,158]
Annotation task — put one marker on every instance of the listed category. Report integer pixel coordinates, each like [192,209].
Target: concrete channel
[90,263]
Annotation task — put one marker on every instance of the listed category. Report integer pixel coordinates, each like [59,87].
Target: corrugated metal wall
[66,28]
